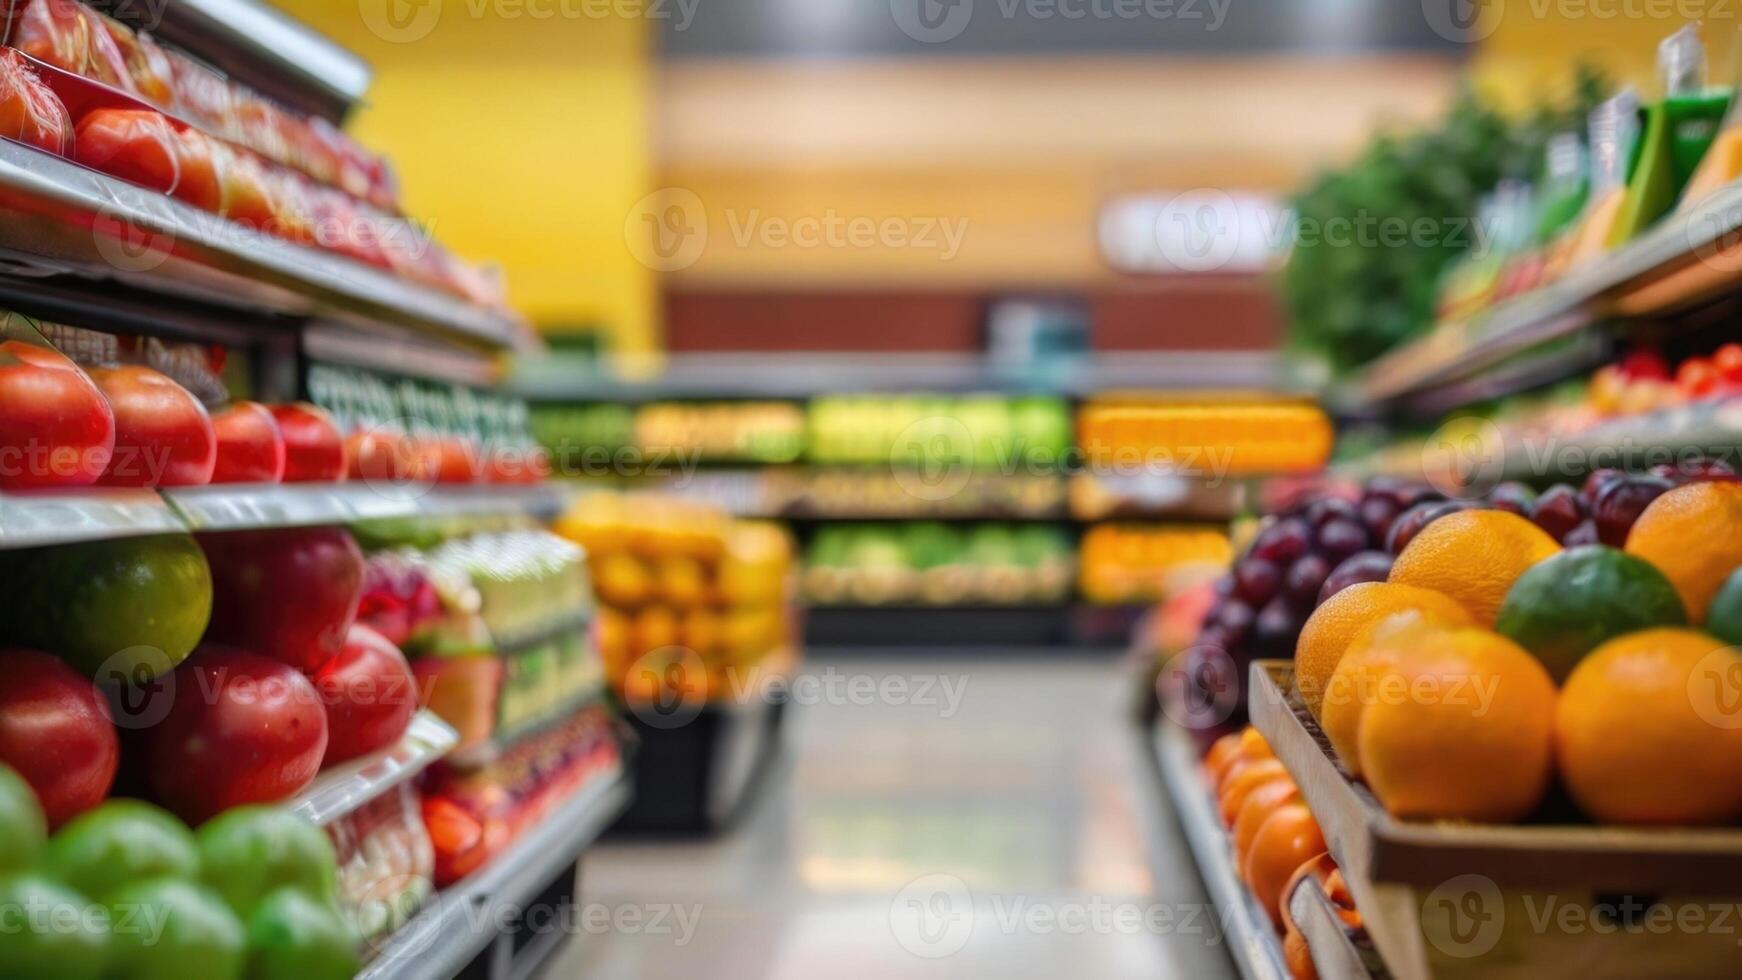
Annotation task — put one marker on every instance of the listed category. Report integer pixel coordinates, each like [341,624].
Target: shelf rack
[29,520]
[458,923]
[1686,260]
[255,44]
[82,233]
[338,791]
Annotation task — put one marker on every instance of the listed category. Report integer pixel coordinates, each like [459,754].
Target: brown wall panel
[1209,313]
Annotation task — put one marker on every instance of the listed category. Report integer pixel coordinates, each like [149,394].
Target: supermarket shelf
[1334,952]
[29,520]
[1250,939]
[255,44]
[987,627]
[343,789]
[83,235]
[1713,427]
[792,375]
[62,517]
[1455,351]
[492,749]
[456,925]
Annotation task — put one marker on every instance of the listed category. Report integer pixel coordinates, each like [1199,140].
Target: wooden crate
[1452,900]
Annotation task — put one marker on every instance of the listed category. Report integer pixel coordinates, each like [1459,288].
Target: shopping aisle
[914,789]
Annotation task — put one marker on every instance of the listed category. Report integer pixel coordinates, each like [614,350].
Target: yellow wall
[522,140]
[1528,54]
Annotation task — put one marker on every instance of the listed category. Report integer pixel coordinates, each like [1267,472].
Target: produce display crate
[1335,953]
[1251,941]
[1451,900]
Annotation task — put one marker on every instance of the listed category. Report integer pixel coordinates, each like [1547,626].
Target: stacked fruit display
[1205,439]
[1584,637]
[1143,563]
[126,890]
[748,432]
[114,100]
[938,564]
[687,595]
[495,622]
[985,431]
[1275,840]
[130,417]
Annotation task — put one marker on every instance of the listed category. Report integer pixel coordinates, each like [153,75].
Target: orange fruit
[1327,632]
[1649,730]
[1260,803]
[1473,556]
[1297,957]
[1241,781]
[1288,838]
[1223,751]
[1371,656]
[1693,534]
[1248,745]
[1464,732]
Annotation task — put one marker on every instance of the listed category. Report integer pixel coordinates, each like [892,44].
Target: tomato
[243,196]
[1728,360]
[163,436]
[240,728]
[1696,378]
[250,447]
[29,111]
[69,36]
[56,428]
[369,695]
[510,465]
[379,454]
[148,66]
[136,145]
[56,732]
[452,459]
[287,593]
[199,176]
[314,453]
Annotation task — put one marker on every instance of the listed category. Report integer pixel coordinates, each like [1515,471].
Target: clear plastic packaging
[386,864]
[29,111]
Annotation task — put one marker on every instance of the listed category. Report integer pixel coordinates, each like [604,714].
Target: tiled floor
[931,816]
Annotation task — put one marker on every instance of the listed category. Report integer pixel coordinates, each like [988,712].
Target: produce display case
[1449,899]
[398,360]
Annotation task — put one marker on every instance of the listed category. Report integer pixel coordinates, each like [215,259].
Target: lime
[119,843]
[252,851]
[50,931]
[167,929]
[1570,603]
[1724,615]
[293,937]
[130,608]
[22,825]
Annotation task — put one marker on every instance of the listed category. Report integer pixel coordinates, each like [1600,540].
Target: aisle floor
[976,817]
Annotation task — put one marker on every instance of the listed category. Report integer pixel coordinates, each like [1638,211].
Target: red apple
[163,436]
[56,731]
[314,452]
[369,695]
[240,728]
[287,593]
[250,447]
[379,454]
[56,429]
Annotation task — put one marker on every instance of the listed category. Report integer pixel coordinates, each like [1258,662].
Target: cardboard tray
[1455,900]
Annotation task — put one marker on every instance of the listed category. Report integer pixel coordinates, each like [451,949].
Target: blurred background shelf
[1685,261]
